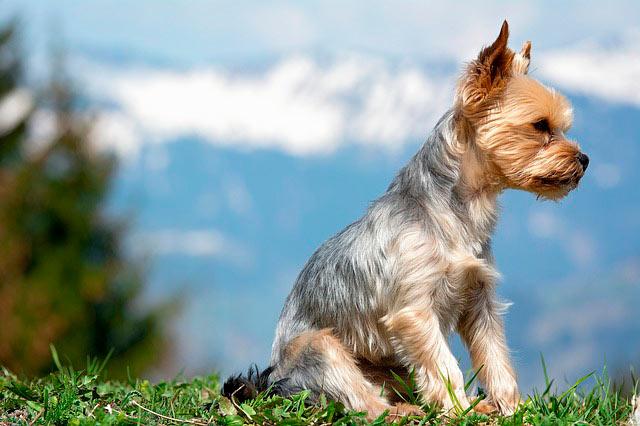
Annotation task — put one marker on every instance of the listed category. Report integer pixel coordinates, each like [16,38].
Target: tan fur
[521,60]
[482,331]
[421,343]
[500,102]
[522,157]
[344,373]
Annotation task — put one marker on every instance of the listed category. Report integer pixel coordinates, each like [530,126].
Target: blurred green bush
[64,278]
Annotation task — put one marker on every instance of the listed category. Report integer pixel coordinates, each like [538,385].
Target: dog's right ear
[521,60]
[486,76]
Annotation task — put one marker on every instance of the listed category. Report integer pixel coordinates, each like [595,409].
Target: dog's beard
[552,188]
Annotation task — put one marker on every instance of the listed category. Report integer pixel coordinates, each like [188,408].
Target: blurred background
[166,168]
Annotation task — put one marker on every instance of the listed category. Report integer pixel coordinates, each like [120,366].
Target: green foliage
[84,397]
[63,276]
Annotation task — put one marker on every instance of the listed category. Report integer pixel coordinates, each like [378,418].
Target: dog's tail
[243,387]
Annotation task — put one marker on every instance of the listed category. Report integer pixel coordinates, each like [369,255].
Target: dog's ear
[497,57]
[486,76]
[521,60]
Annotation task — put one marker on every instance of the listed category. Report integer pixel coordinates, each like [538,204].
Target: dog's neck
[478,192]
[449,175]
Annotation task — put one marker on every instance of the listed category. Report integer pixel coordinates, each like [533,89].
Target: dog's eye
[542,126]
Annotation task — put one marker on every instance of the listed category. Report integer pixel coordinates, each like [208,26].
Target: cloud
[303,106]
[543,223]
[628,271]
[579,245]
[606,70]
[238,197]
[116,130]
[297,105]
[607,175]
[194,31]
[194,243]
[282,26]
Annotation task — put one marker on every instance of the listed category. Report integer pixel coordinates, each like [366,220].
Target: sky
[250,132]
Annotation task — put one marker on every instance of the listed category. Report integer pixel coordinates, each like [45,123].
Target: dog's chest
[468,273]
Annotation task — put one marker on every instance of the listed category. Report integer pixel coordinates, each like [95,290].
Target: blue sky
[250,132]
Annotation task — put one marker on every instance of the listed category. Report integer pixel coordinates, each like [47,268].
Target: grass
[84,397]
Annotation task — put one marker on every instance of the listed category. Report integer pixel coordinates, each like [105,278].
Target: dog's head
[518,124]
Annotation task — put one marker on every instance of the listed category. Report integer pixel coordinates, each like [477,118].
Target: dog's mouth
[553,182]
[555,188]
[564,180]
[569,169]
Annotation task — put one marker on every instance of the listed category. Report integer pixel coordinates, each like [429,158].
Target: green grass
[83,397]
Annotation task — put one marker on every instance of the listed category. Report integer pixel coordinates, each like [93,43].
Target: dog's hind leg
[316,360]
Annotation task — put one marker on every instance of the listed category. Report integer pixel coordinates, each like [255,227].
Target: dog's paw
[398,411]
[404,409]
[485,407]
[507,404]
[394,412]
[461,402]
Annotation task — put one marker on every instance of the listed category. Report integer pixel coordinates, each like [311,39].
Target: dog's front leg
[420,343]
[482,331]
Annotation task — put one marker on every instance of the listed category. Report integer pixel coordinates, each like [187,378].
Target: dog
[383,294]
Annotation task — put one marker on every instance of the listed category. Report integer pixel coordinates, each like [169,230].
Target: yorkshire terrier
[383,294]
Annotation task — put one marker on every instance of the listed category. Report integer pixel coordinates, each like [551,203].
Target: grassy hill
[83,397]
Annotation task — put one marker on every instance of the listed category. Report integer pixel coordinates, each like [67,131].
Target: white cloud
[284,26]
[192,31]
[573,321]
[238,197]
[610,72]
[195,243]
[628,271]
[116,130]
[305,107]
[297,105]
[543,223]
[607,175]
[579,245]
[395,108]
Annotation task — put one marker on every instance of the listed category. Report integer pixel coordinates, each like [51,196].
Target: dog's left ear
[487,75]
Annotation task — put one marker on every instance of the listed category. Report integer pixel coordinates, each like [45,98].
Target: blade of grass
[452,394]
[104,362]
[575,386]
[470,381]
[408,389]
[56,359]
[473,405]
[544,370]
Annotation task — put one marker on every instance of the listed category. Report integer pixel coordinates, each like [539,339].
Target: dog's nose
[583,160]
